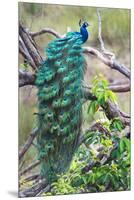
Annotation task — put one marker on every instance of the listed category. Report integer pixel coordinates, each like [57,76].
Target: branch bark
[113,64]
[104,51]
[28,48]
[26,78]
[111,109]
[114,88]
[45,30]
[30,167]
[104,158]
[35,189]
[95,127]
[28,143]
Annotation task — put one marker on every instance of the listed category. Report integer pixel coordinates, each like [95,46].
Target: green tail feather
[59,81]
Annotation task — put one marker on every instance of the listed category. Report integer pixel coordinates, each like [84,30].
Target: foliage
[101,92]
[114,175]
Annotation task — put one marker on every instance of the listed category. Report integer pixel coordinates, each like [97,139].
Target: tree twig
[28,142]
[104,51]
[31,177]
[30,167]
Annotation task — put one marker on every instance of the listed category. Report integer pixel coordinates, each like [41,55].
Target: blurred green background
[115,33]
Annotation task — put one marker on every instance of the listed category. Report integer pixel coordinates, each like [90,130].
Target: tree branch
[104,158]
[95,127]
[31,178]
[35,189]
[28,142]
[112,64]
[111,109]
[114,88]
[104,51]
[45,30]
[28,47]
[30,167]
[26,78]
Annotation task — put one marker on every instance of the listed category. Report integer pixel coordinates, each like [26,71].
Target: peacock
[59,82]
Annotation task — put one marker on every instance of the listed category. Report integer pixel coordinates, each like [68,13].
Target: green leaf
[92,107]
[121,146]
[110,95]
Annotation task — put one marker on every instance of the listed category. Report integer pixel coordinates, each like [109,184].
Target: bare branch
[120,88]
[26,78]
[35,189]
[30,167]
[45,30]
[114,88]
[104,51]
[25,53]
[28,47]
[99,31]
[31,177]
[112,64]
[27,144]
[112,111]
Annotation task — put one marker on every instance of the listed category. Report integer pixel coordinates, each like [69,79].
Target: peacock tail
[59,81]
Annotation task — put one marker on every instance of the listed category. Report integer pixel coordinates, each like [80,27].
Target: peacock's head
[83,23]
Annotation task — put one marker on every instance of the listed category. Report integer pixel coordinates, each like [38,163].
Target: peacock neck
[84,34]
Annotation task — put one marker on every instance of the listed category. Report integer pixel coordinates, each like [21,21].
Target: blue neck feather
[84,33]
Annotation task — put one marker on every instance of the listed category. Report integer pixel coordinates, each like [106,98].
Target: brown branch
[25,53]
[35,189]
[45,30]
[26,78]
[104,158]
[31,178]
[28,142]
[120,88]
[112,64]
[111,109]
[30,167]
[95,127]
[104,51]
[114,88]
[28,48]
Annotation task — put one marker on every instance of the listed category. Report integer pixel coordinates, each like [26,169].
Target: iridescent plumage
[59,82]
